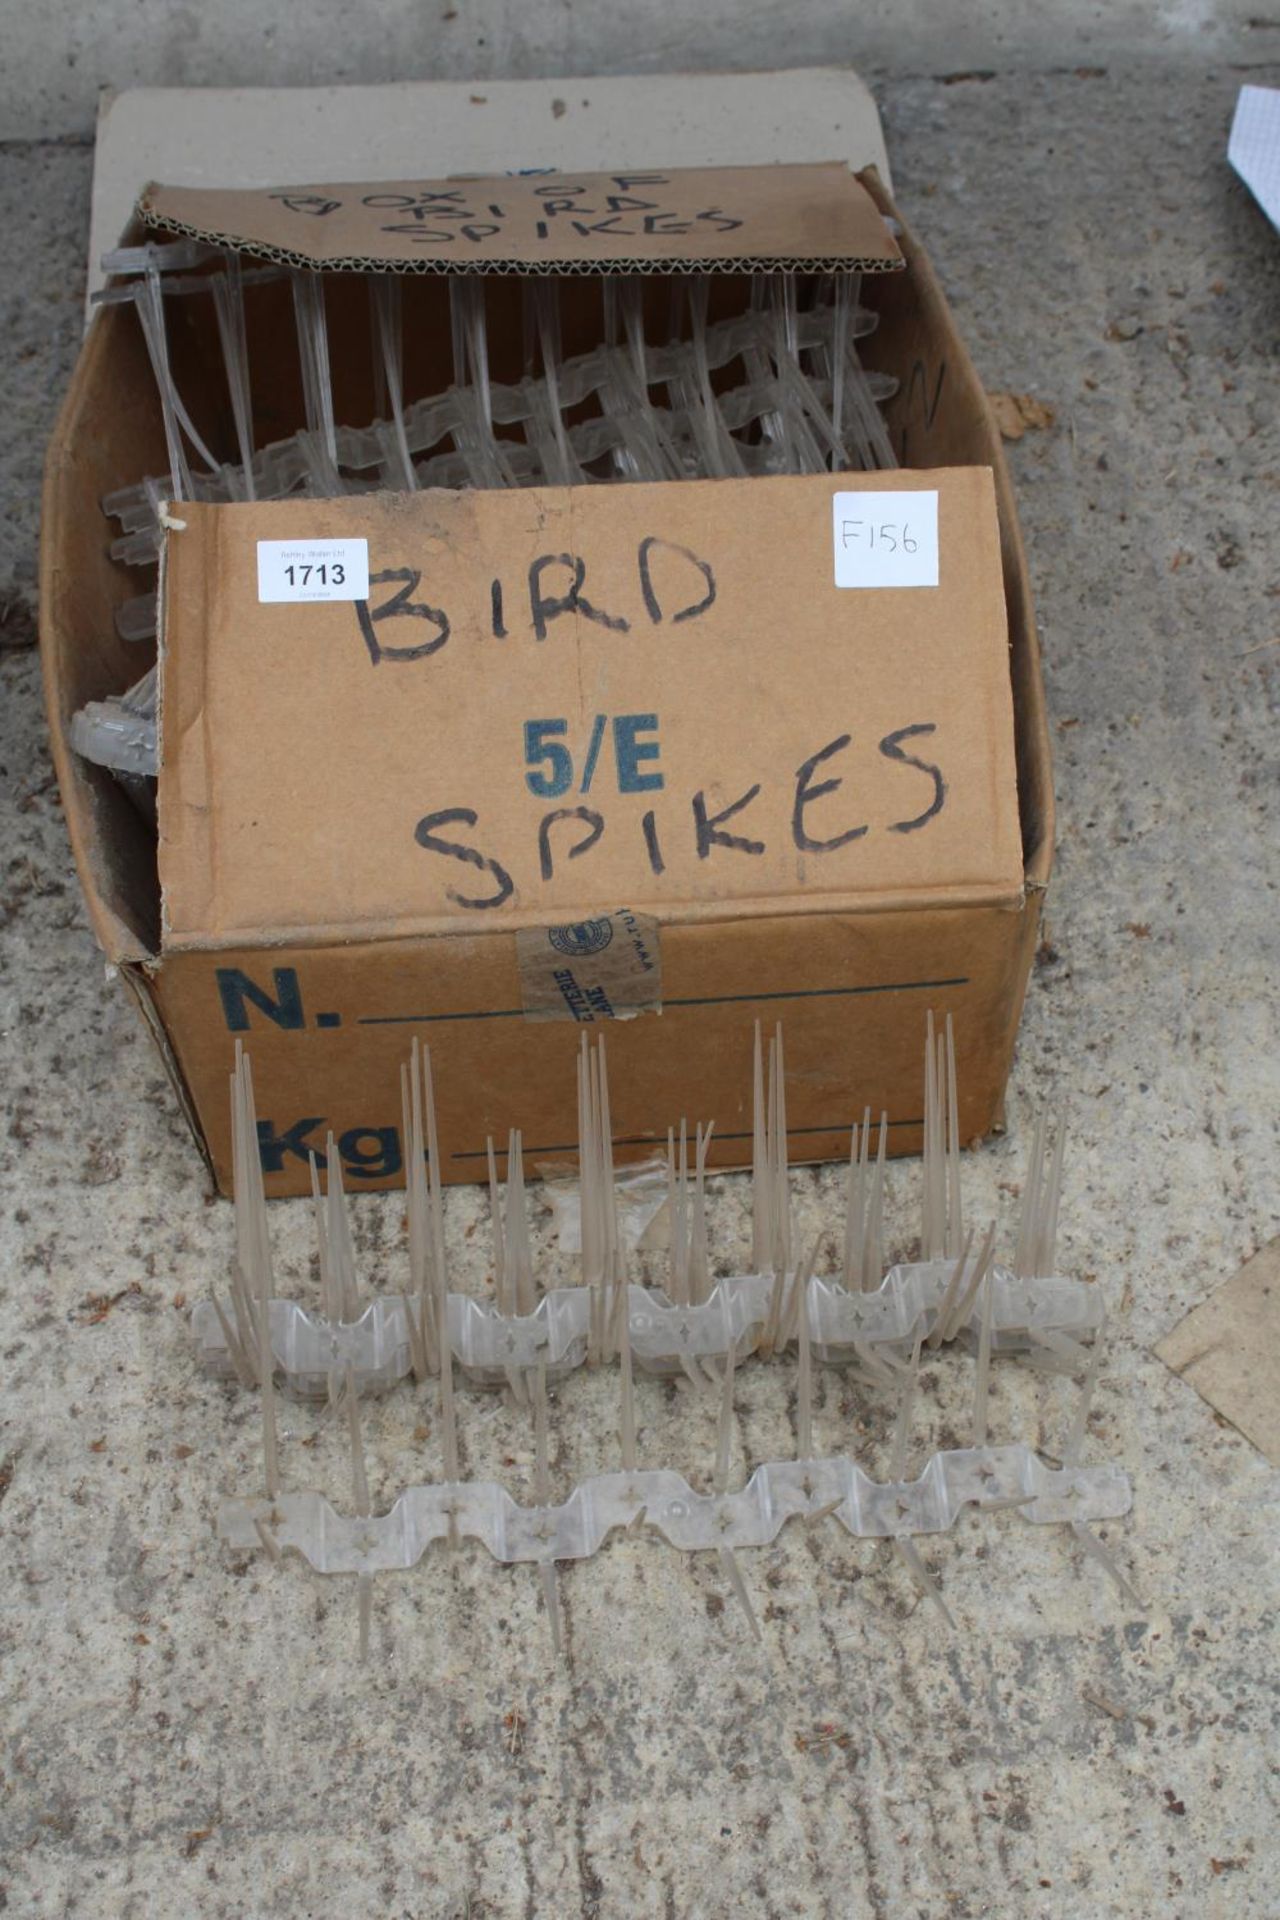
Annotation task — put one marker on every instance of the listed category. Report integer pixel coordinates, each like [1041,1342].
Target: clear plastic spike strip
[698,1328]
[631,409]
[866,1320]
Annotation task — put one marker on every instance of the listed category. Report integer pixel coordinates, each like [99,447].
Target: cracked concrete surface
[187,1732]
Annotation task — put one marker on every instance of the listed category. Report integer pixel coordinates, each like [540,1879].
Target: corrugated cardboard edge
[248,222]
[563,267]
[126,951]
[180,701]
[119,941]
[138,984]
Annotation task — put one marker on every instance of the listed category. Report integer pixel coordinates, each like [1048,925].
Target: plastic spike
[150,306]
[846,298]
[542,1492]
[1047,1238]
[1029,1222]
[433,1308]
[947,1304]
[873,1249]
[542,1464]
[496,1209]
[266,1382]
[1096,1551]
[724,1429]
[929,1236]
[981,1268]
[421,1314]
[240,1359]
[733,1574]
[269,1541]
[761,1185]
[955,1223]
[551,1600]
[385,293]
[519,1250]
[804,1371]
[782,1157]
[855,1205]
[699,1259]
[680,1223]
[626,1404]
[317,384]
[435,1197]
[341,1247]
[1074,1442]
[364,1601]
[909,1554]
[906,1406]
[546,309]
[228,303]
[359,1472]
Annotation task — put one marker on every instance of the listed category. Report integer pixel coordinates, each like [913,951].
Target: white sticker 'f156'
[885,539]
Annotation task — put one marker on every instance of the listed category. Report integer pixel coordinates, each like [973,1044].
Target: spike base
[991,1477]
[488,1346]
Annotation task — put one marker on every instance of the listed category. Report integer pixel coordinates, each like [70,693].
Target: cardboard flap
[716,219]
[555,702]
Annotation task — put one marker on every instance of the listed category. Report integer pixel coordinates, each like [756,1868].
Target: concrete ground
[188,1732]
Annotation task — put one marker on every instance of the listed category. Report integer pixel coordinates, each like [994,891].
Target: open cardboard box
[361,840]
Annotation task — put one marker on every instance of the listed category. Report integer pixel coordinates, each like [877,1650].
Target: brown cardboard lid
[555,699]
[778,219]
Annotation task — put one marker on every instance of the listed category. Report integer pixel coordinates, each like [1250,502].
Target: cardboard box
[459,831]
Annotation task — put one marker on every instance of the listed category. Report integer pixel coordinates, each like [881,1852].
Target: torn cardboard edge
[1228,1349]
[730,220]
[137,981]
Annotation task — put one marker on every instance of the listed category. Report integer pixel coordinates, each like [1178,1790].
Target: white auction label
[885,539]
[313,570]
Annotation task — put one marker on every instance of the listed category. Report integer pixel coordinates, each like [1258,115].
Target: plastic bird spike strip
[632,408]
[863,1321]
[875,1327]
